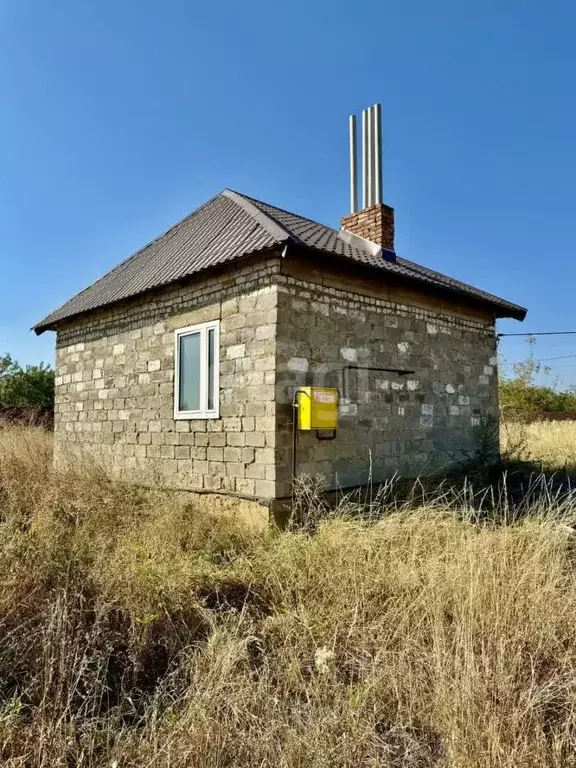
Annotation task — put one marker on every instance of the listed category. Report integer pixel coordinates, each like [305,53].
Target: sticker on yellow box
[317,408]
[324,397]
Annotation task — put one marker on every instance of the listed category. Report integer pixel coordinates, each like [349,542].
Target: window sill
[194,416]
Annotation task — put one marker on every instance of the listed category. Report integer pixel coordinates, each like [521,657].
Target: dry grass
[137,630]
[551,443]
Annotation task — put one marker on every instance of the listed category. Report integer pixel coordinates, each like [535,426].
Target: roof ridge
[267,222]
[285,210]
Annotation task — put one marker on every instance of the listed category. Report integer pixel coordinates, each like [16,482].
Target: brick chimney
[375,223]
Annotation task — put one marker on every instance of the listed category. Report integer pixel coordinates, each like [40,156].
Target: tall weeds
[143,630]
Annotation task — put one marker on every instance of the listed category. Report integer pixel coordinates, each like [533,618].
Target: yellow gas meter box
[317,408]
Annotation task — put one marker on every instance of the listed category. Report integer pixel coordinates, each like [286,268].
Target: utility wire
[541,333]
[546,359]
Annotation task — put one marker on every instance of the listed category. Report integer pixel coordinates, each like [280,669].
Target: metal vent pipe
[353,165]
[365,202]
[377,153]
[371,158]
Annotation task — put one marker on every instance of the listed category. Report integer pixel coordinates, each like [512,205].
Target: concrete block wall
[115,386]
[282,325]
[411,424]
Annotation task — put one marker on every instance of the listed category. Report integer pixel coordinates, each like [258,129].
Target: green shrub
[517,396]
[520,395]
[29,387]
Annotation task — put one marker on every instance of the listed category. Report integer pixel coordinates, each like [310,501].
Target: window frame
[203,412]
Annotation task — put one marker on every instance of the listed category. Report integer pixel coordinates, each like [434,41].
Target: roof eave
[42,326]
[500,309]
[514,313]
[53,325]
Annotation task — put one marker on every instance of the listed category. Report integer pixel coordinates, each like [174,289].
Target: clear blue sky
[119,117]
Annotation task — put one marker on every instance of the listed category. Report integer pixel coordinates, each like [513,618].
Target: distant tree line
[25,390]
[517,397]
[521,396]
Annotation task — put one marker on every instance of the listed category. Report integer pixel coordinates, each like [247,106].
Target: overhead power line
[539,333]
[561,357]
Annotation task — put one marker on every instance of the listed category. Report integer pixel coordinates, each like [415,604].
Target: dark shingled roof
[231,226]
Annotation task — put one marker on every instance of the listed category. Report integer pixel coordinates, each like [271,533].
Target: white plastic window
[196,355]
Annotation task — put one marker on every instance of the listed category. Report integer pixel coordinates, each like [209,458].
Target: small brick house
[178,367]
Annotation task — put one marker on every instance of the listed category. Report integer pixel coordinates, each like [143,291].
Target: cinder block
[264,488]
[232,454]
[256,471]
[235,469]
[264,455]
[245,485]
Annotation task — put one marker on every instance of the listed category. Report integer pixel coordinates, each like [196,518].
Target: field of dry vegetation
[549,443]
[142,630]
